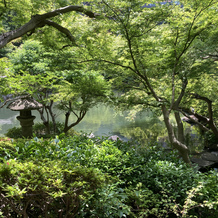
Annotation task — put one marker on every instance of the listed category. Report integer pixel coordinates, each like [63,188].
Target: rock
[210,156]
[206,160]
[114,138]
[201,163]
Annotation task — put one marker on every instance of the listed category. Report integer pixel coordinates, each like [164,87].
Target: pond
[101,120]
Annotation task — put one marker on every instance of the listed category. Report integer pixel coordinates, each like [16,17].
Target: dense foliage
[154,53]
[161,56]
[70,89]
[82,177]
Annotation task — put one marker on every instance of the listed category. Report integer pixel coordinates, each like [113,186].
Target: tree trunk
[52,117]
[45,122]
[78,120]
[66,128]
[180,131]
[181,147]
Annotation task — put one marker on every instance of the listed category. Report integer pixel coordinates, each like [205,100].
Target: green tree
[55,85]
[150,53]
[80,91]
[55,19]
[31,76]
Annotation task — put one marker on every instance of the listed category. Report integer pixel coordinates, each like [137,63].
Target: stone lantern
[25,105]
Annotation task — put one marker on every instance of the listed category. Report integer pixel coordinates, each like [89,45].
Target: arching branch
[38,21]
[61,29]
[210,120]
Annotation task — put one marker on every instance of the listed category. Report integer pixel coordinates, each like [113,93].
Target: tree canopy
[155,59]
[160,56]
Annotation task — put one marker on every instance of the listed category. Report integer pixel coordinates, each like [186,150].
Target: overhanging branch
[38,21]
[202,126]
[61,29]
[207,100]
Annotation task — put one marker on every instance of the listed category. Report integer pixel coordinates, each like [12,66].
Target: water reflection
[101,120]
[104,121]
[7,120]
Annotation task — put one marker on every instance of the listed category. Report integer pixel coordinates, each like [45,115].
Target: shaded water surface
[105,121]
[101,121]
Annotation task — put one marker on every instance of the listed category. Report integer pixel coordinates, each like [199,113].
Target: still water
[101,120]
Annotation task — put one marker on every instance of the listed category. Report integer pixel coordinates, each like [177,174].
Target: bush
[15,132]
[137,182]
[39,130]
[45,188]
[210,141]
[7,149]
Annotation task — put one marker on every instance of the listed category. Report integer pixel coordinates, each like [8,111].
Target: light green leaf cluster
[29,57]
[82,89]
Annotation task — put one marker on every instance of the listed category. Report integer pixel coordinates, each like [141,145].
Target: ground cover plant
[75,176]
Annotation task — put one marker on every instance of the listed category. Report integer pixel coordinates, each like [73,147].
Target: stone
[25,105]
[114,138]
[201,163]
[210,156]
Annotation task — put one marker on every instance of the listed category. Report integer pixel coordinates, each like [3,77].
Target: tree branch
[210,120]
[5,4]
[190,37]
[209,103]
[61,29]
[79,118]
[203,127]
[175,104]
[214,57]
[39,21]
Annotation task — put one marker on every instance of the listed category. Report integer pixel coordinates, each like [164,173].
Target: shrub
[45,188]
[137,182]
[15,132]
[109,201]
[39,130]
[7,149]
[210,141]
